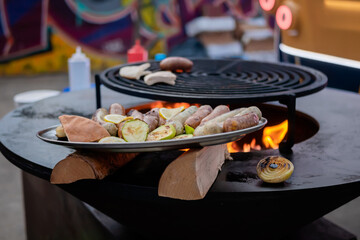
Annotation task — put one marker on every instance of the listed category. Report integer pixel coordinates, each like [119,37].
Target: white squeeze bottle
[79,71]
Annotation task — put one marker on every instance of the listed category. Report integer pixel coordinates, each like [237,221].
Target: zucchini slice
[164,132]
[135,131]
[111,140]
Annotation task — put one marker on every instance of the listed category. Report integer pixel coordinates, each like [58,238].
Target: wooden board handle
[80,165]
[190,176]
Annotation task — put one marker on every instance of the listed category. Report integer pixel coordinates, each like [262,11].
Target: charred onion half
[274,169]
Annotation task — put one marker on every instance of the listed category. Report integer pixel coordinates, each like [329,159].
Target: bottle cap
[137,53]
[160,56]
[78,55]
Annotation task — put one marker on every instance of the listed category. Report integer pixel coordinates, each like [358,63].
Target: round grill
[224,81]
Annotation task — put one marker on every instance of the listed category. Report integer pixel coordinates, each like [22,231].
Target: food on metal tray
[183,136]
[160,77]
[135,130]
[168,113]
[221,109]
[120,126]
[111,128]
[252,109]
[194,120]
[81,129]
[111,140]
[239,122]
[99,115]
[215,125]
[274,169]
[153,113]
[152,121]
[156,124]
[134,72]
[179,119]
[117,108]
[189,130]
[59,132]
[164,132]
[116,118]
[162,121]
[176,64]
[136,114]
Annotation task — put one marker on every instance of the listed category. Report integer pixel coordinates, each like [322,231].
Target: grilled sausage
[176,64]
[252,109]
[195,119]
[240,122]
[152,121]
[215,125]
[111,128]
[152,118]
[153,112]
[99,115]
[219,110]
[136,114]
[162,121]
[179,119]
[117,108]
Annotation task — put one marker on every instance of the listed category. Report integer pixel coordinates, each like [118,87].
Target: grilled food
[176,64]
[81,129]
[274,169]
[164,132]
[195,119]
[156,124]
[134,72]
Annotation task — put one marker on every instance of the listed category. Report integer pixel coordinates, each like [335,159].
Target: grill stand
[286,145]
[97,91]
[289,101]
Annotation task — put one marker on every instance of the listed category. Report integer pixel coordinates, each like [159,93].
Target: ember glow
[272,137]
[160,104]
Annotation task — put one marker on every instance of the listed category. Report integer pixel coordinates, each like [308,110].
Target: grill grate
[225,82]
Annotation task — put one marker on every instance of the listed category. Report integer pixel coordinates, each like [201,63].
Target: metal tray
[48,135]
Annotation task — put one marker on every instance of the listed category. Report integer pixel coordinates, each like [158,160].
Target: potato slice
[80,129]
[183,136]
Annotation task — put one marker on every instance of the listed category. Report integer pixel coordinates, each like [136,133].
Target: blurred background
[38,37]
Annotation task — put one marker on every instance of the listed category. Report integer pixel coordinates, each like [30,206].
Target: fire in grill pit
[269,138]
[226,82]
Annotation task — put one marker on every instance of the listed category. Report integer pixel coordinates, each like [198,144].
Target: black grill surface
[224,81]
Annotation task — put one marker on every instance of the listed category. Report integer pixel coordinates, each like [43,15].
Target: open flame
[160,104]
[272,137]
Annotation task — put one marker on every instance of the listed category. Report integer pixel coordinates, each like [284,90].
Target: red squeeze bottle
[137,53]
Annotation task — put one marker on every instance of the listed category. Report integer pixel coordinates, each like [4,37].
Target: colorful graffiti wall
[38,36]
